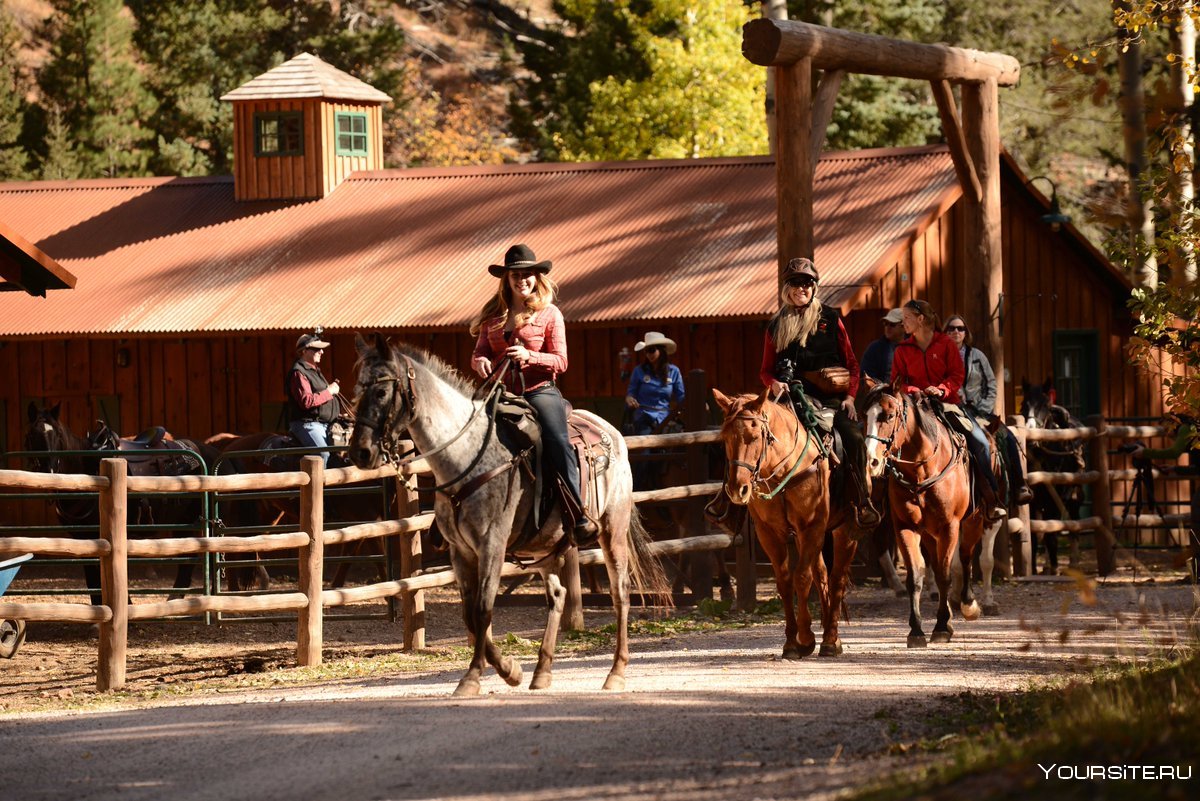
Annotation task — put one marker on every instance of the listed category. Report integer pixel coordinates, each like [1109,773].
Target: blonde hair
[544,293]
[794,325]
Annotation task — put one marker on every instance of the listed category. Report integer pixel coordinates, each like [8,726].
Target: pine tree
[92,75]
[13,158]
[644,79]
[62,161]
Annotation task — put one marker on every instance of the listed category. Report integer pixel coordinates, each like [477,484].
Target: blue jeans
[558,457]
[311,434]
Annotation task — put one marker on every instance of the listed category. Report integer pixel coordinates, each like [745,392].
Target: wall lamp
[1055,217]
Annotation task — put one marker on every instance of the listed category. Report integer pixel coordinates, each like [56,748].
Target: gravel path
[705,716]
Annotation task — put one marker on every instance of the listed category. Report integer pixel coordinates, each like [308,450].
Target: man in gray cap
[311,404]
[877,358]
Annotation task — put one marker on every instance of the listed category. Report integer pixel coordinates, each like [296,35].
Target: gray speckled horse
[488,499]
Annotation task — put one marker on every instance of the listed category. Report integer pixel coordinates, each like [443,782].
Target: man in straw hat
[311,400]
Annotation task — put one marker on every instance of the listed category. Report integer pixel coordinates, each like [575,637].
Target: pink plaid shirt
[544,335]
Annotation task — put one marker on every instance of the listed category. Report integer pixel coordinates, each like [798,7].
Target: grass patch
[991,746]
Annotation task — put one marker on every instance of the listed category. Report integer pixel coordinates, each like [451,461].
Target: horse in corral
[47,434]
[929,491]
[1051,502]
[265,452]
[486,503]
[777,468]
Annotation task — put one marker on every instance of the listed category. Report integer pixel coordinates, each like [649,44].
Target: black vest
[821,351]
[326,412]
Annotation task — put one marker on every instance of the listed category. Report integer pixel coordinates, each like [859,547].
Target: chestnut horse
[778,470]
[929,491]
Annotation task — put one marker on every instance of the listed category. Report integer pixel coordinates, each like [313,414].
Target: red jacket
[939,365]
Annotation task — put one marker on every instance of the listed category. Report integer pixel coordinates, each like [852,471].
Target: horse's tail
[644,567]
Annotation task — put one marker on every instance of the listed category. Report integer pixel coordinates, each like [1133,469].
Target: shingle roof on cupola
[306,76]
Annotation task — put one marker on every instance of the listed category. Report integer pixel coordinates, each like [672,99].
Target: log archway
[796,49]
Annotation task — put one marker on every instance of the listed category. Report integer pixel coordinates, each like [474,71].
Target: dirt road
[705,716]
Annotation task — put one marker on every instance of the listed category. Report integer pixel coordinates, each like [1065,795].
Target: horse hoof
[828,649]
[991,610]
[614,682]
[541,680]
[467,688]
[941,637]
[971,611]
[917,641]
[799,653]
[515,674]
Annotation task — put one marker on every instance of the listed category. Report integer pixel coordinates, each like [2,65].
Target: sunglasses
[800,281]
[652,349]
[950,328]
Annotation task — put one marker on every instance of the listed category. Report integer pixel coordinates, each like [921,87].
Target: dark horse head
[46,434]
[383,402]
[1039,407]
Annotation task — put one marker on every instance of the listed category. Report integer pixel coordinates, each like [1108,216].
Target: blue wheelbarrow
[12,632]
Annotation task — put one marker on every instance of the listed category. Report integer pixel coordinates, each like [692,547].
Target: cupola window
[351,134]
[279,133]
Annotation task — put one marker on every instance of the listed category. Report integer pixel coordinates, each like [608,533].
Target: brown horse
[930,493]
[779,470]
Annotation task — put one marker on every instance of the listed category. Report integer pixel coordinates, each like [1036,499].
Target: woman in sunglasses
[802,339]
[520,323]
[656,386]
[979,399]
[929,363]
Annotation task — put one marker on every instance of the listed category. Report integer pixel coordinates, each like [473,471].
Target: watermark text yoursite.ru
[1116,772]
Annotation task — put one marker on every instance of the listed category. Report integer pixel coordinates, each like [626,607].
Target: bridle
[768,438]
[386,427]
[894,462]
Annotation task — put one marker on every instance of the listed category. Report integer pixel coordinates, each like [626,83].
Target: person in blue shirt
[656,386]
[877,358]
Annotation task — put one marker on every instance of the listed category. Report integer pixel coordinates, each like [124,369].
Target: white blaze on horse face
[47,428]
[876,451]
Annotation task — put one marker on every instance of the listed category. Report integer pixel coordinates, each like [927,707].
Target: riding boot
[865,513]
[1022,495]
[993,506]
[580,528]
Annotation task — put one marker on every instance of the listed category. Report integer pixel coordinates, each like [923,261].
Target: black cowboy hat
[519,257]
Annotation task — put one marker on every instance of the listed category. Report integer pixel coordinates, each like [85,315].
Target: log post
[793,161]
[114,575]
[1102,496]
[701,563]
[1023,541]
[983,270]
[412,601]
[310,620]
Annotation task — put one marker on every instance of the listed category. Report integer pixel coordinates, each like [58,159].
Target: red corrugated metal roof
[655,240]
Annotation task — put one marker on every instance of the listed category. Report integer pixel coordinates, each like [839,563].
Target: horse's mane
[876,392]
[927,421]
[434,365]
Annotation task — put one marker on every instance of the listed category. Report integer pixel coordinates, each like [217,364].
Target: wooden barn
[191,291]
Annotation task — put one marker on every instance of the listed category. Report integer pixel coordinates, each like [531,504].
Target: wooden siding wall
[338,168]
[319,170]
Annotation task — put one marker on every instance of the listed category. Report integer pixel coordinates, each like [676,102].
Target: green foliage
[1169,323]
[93,78]
[13,158]
[197,51]
[643,79]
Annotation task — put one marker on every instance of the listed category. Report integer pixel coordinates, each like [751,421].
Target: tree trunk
[1133,116]
[1183,44]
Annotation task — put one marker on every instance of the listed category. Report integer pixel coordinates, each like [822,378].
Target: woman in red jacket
[928,362]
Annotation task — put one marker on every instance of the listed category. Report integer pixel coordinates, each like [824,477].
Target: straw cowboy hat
[519,257]
[311,341]
[655,339]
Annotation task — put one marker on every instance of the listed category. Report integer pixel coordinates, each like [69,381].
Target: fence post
[1022,541]
[695,418]
[1102,497]
[412,601]
[114,575]
[310,634]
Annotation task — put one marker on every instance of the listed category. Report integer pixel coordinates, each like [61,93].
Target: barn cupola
[300,129]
